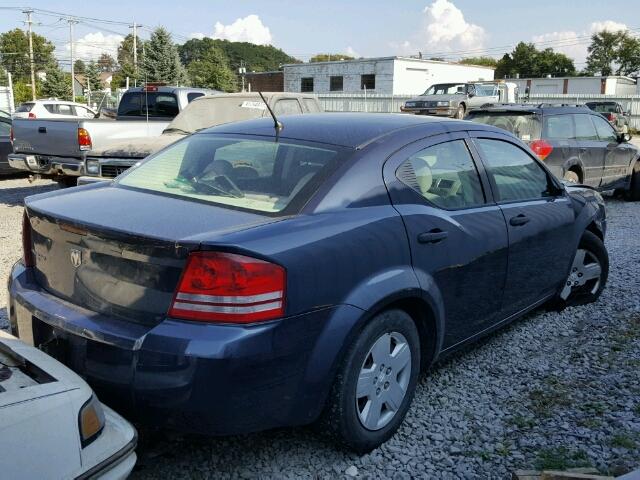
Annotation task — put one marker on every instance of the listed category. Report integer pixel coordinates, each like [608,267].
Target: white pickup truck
[57,148]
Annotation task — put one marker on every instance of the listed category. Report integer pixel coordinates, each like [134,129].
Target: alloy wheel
[383,380]
[584,276]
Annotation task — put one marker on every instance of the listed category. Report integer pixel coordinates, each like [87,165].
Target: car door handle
[433,236]
[519,220]
[42,129]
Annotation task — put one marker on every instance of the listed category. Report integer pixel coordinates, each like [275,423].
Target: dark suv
[576,143]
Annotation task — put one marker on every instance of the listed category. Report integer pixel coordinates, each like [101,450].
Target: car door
[539,217]
[589,149]
[617,155]
[457,235]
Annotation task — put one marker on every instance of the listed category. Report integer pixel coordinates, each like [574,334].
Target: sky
[302,28]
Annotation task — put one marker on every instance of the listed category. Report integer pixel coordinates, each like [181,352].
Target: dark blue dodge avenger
[252,276]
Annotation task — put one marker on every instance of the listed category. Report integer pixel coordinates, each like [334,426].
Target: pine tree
[57,84]
[79,67]
[212,71]
[92,76]
[161,61]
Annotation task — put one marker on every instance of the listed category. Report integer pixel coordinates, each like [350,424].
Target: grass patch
[637,409]
[522,422]
[595,408]
[591,423]
[623,441]
[544,401]
[561,458]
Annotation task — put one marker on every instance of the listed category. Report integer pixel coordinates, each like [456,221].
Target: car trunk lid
[118,251]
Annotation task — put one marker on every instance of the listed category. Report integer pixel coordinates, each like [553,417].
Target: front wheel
[588,275]
[375,384]
[633,194]
[460,112]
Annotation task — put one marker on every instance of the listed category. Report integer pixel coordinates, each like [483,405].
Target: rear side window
[193,95]
[287,106]
[25,107]
[258,175]
[525,126]
[606,133]
[558,127]
[445,175]
[311,105]
[5,128]
[584,128]
[516,175]
[136,104]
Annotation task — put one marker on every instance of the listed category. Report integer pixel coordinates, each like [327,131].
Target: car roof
[170,89]
[541,108]
[53,101]
[353,130]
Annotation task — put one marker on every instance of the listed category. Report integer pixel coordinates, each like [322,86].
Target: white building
[385,75]
[576,85]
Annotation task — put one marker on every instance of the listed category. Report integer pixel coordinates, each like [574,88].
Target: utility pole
[72,21]
[135,52]
[33,73]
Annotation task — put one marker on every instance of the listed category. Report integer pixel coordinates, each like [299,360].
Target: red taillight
[225,287]
[84,139]
[150,88]
[541,148]
[611,117]
[27,247]
[32,115]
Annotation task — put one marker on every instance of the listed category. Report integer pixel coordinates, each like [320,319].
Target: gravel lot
[553,390]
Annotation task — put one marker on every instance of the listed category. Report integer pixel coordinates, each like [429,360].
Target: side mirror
[471,95]
[624,137]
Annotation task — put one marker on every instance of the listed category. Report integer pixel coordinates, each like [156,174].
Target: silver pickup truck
[57,148]
[116,156]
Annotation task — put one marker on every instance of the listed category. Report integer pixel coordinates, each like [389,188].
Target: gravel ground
[553,390]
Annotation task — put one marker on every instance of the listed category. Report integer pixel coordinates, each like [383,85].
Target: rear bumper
[206,378]
[47,165]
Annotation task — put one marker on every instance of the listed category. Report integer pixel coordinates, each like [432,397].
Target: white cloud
[444,29]
[574,44]
[351,52]
[247,29]
[92,45]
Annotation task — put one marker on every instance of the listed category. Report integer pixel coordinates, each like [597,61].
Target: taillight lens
[84,139]
[32,115]
[610,117]
[27,246]
[541,148]
[225,287]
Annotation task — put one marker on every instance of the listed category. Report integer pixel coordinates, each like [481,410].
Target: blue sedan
[251,277]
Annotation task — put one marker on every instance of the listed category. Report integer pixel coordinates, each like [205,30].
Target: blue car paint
[349,253]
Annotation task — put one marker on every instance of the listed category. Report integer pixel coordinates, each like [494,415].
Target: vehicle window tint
[258,175]
[517,175]
[193,95]
[158,104]
[606,133]
[445,175]
[525,125]
[51,108]
[5,128]
[287,106]
[584,128]
[558,127]
[311,105]
[25,107]
[64,109]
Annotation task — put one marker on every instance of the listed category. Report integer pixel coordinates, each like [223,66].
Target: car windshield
[486,90]
[603,107]
[445,89]
[263,175]
[524,125]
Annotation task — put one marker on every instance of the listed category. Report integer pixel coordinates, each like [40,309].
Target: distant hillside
[259,58]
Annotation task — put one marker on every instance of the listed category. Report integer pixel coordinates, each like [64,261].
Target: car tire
[350,414]
[583,285]
[571,176]
[633,194]
[460,112]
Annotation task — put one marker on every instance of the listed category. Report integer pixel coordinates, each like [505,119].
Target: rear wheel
[588,275]
[572,176]
[633,194]
[375,384]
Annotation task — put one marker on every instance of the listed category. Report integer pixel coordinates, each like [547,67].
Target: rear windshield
[524,125]
[25,107]
[158,104]
[602,107]
[252,174]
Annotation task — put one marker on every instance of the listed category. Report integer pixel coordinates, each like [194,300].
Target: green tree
[79,67]
[14,46]
[327,57]
[126,66]
[57,84]
[22,92]
[106,63]
[527,61]
[611,52]
[628,56]
[161,61]
[92,77]
[212,71]
[483,61]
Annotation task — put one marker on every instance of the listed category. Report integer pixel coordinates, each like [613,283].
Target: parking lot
[554,390]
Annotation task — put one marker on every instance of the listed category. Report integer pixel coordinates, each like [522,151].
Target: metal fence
[380,103]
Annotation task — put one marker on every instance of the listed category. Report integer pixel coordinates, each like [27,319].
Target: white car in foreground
[51,423]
